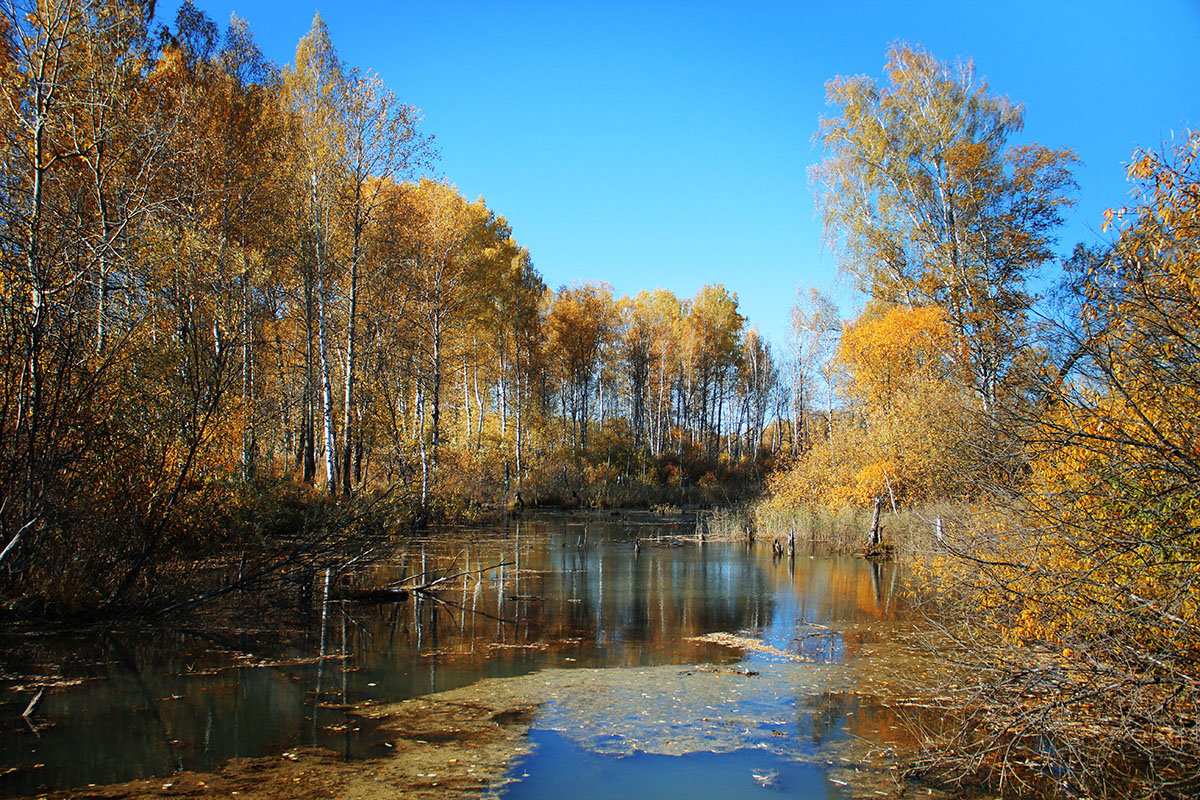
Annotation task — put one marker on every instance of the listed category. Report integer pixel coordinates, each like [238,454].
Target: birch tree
[929,204]
[316,91]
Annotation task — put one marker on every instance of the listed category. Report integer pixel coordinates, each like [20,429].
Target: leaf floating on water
[766,778]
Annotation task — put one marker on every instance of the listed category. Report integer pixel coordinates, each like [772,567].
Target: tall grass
[907,531]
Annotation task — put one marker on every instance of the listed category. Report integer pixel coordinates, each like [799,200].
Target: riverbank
[905,531]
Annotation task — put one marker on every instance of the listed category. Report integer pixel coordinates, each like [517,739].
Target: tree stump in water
[873,534]
[873,538]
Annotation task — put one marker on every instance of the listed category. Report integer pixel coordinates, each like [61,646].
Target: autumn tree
[40,276]
[898,380]
[637,342]
[757,379]
[710,333]
[315,88]
[445,240]
[930,205]
[517,322]
[816,326]
[653,334]
[579,322]
[119,140]
[195,251]
[381,144]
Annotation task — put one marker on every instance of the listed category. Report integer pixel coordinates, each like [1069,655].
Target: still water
[558,591]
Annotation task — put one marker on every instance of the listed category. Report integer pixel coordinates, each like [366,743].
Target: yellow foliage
[905,435]
[891,351]
[873,480]
[1108,550]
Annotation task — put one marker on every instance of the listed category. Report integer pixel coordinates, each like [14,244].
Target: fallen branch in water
[432,584]
[33,704]
[401,590]
[321,544]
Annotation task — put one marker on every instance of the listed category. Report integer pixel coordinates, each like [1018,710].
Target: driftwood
[305,553]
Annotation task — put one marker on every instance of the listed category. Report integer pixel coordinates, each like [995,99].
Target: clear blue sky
[666,144]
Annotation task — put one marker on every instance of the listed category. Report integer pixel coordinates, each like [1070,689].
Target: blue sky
[667,144]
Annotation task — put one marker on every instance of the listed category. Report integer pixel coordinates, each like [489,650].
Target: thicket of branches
[1089,684]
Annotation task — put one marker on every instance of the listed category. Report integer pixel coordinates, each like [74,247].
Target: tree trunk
[420,411]
[322,346]
[326,388]
[103,266]
[519,436]
[249,443]
[308,436]
[466,383]
[351,354]
[436,411]
[479,404]
[873,535]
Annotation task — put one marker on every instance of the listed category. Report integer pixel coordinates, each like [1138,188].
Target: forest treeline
[230,288]
[1034,416]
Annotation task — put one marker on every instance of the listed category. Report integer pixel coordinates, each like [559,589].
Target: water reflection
[563,592]
[560,768]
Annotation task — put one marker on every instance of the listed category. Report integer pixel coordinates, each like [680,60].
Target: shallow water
[561,768]
[568,593]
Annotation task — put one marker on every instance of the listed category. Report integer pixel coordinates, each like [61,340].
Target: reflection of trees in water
[586,593]
[825,717]
[822,718]
[158,700]
[837,588]
[566,595]
[581,592]
[886,725]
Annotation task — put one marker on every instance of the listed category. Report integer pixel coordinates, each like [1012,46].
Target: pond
[563,591]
